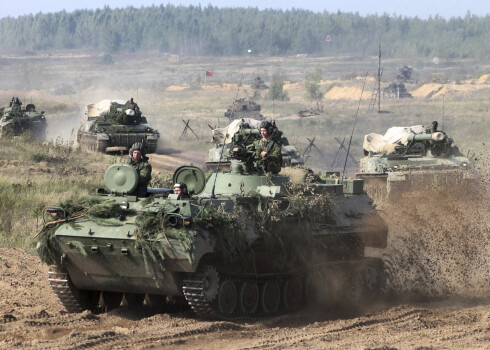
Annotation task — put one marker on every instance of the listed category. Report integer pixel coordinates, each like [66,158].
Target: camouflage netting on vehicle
[287,224]
[272,219]
[227,228]
[100,211]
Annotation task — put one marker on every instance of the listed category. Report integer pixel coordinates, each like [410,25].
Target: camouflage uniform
[142,167]
[272,162]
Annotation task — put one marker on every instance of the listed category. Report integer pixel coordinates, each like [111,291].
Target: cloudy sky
[409,8]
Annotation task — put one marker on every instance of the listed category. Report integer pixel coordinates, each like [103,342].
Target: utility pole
[379,78]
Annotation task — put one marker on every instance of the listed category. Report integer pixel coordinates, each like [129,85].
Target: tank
[244,108]
[241,244]
[411,159]
[397,90]
[258,84]
[115,126]
[290,155]
[16,120]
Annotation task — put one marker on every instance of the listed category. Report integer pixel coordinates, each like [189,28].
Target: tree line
[213,31]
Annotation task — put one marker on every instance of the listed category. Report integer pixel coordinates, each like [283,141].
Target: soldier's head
[131,100]
[266,129]
[181,189]
[177,189]
[435,124]
[137,151]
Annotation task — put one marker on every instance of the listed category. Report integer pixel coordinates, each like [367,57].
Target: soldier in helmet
[268,150]
[180,189]
[139,161]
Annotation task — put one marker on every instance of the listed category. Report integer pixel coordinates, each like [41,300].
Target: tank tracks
[239,297]
[60,284]
[257,296]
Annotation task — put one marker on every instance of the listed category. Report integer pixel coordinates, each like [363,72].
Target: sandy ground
[438,296]
[31,317]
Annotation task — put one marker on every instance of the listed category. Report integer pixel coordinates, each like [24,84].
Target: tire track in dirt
[364,325]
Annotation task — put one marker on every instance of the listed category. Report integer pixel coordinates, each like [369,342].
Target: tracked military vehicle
[408,159]
[115,126]
[241,244]
[397,90]
[16,121]
[244,108]
[290,155]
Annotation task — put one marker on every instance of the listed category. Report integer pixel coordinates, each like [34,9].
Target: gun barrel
[250,131]
[437,136]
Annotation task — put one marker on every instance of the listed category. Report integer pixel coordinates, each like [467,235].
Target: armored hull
[239,247]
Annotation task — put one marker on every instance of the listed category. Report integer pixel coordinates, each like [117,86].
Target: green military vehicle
[290,155]
[115,126]
[410,159]
[16,121]
[244,108]
[239,244]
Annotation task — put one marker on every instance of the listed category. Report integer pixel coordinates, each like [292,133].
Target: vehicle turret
[410,159]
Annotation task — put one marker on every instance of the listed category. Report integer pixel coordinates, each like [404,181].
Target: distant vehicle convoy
[16,120]
[115,126]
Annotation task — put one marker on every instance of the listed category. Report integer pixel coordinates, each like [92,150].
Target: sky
[407,8]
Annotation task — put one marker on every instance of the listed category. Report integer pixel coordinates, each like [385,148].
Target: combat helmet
[137,146]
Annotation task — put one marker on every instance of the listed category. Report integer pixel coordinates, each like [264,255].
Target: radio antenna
[353,126]
[224,142]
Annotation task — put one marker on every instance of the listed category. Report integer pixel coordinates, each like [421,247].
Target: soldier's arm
[145,174]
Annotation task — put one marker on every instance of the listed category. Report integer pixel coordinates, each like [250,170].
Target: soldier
[180,189]
[434,126]
[267,150]
[16,105]
[139,161]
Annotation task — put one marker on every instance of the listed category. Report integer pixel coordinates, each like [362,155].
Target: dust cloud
[439,242]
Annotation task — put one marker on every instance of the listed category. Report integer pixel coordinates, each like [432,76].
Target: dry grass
[158,84]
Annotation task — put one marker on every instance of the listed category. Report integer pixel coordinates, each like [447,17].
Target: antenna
[353,126]
[137,90]
[224,141]
[442,112]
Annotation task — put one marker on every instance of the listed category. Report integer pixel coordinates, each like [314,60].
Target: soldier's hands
[263,154]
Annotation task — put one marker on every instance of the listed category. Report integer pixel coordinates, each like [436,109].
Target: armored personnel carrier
[408,159]
[241,244]
[244,108]
[218,154]
[16,121]
[115,126]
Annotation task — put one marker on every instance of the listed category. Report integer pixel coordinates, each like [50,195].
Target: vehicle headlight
[124,205]
[465,164]
[395,166]
[53,214]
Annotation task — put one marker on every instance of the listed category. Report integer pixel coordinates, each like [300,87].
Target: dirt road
[31,317]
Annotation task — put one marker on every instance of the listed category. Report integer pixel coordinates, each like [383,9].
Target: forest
[213,31]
